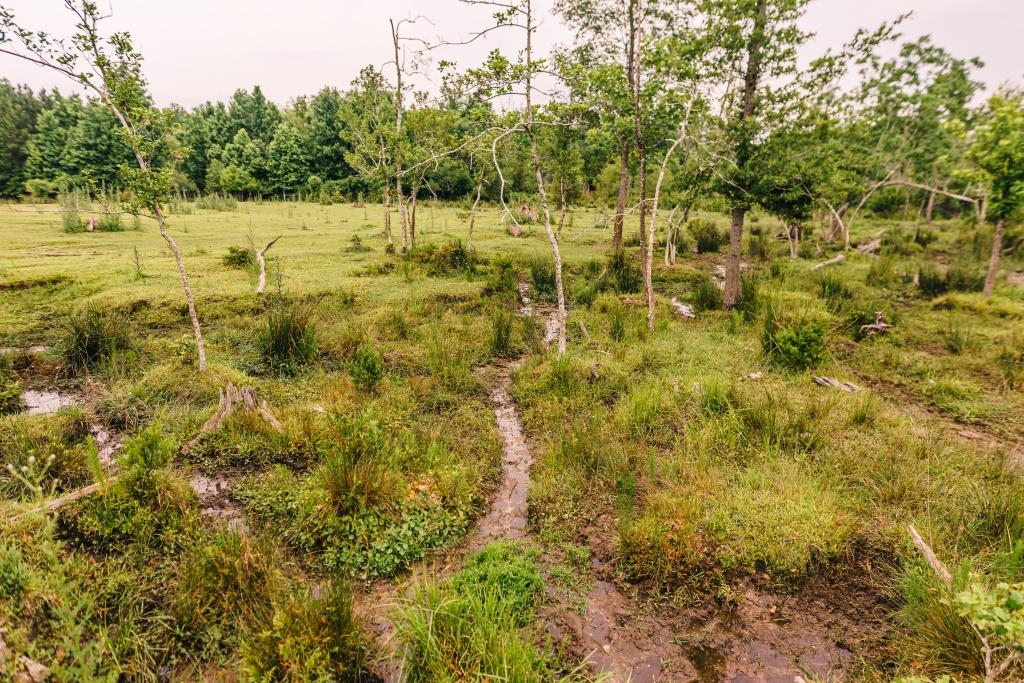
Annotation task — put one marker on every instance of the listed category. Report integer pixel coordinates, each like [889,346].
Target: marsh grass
[288,339]
[90,335]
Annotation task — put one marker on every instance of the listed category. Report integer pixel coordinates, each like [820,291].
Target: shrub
[959,277]
[239,257]
[798,344]
[366,368]
[542,275]
[70,210]
[706,295]
[501,277]
[354,474]
[289,339]
[759,245]
[832,288]
[706,234]
[447,359]
[445,259]
[311,637]
[110,222]
[13,573]
[502,322]
[90,335]
[623,272]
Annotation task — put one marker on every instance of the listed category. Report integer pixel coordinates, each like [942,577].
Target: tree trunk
[930,210]
[620,203]
[261,258]
[649,237]
[993,263]
[538,171]
[387,213]
[412,219]
[398,135]
[183,274]
[751,78]
[563,207]
[472,216]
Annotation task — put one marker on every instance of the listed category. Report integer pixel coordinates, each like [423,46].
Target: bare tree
[111,69]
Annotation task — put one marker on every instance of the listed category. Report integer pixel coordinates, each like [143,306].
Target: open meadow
[696,507]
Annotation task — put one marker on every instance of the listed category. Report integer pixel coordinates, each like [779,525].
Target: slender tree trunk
[750,83]
[183,274]
[472,215]
[555,251]
[620,203]
[563,206]
[412,219]
[930,210]
[387,213]
[649,237]
[993,263]
[398,130]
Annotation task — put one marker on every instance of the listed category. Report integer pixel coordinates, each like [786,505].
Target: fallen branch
[929,555]
[838,258]
[848,387]
[261,284]
[61,501]
[583,329]
[877,327]
[231,397]
[870,247]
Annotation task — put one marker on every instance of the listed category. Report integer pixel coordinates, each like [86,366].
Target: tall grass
[91,335]
[542,275]
[502,324]
[288,339]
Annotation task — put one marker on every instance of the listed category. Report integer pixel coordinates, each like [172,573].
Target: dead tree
[261,283]
[232,399]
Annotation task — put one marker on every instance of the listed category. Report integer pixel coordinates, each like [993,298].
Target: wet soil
[215,497]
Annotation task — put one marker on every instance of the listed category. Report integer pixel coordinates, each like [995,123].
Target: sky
[201,50]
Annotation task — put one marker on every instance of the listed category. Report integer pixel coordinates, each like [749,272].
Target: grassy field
[697,467]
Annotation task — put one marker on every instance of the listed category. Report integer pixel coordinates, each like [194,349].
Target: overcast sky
[199,50]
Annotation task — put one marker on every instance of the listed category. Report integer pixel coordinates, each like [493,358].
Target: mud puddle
[46,402]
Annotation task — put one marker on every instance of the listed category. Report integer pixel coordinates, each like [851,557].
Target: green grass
[712,455]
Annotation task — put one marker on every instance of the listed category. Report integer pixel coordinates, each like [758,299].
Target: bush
[366,368]
[623,272]
[706,234]
[289,339]
[502,322]
[70,211]
[90,335]
[931,281]
[797,345]
[759,245]
[444,260]
[957,278]
[542,275]
[616,323]
[309,638]
[110,222]
[354,474]
[881,272]
[217,202]
[239,257]
[501,277]
[707,296]
[13,573]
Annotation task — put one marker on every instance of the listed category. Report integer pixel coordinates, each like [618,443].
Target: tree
[19,110]
[254,113]
[112,69]
[44,151]
[998,150]
[287,160]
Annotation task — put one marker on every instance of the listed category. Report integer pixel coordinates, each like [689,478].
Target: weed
[623,272]
[366,368]
[310,637]
[881,272]
[706,295]
[90,335]
[288,340]
[239,257]
[833,290]
[617,323]
[866,409]
[956,337]
[13,573]
[542,275]
[750,298]
[502,321]
[10,391]
[796,344]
